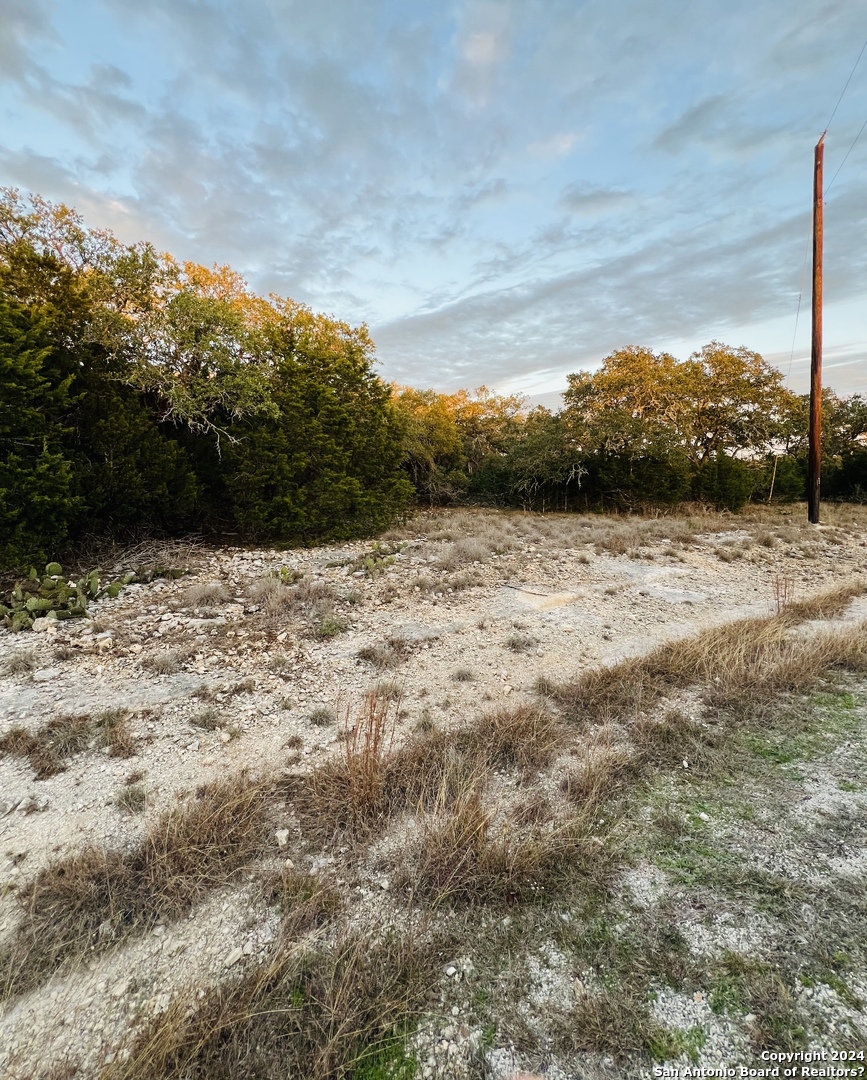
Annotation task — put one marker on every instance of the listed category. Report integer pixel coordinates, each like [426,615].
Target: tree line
[141,394]
[644,430]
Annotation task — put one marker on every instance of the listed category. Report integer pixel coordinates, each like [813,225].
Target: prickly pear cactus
[50,596]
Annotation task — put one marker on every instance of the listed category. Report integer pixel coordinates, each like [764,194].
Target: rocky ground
[256,658]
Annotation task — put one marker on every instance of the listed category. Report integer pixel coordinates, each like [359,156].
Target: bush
[726,482]
[37,489]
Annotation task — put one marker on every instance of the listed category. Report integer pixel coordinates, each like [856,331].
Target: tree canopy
[144,393]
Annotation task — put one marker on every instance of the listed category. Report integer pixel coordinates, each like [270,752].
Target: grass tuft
[96,897]
[319,1012]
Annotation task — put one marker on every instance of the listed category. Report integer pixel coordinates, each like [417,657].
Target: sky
[505,191]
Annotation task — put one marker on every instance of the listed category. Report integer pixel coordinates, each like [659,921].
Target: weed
[464,675]
[375,562]
[328,625]
[521,643]
[208,719]
[165,661]
[205,595]
[280,664]
[754,984]
[19,662]
[385,654]
[132,798]
[96,897]
[243,686]
[321,1012]
[322,716]
[784,592]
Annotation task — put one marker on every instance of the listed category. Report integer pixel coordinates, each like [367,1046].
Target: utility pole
[814,462]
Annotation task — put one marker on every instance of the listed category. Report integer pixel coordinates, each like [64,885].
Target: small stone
[46,674]
[282,837]
[451,971]
[704,817]
[119,989]
[289,864]
[234,956]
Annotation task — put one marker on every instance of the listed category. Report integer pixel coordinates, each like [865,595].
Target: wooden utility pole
[814,463]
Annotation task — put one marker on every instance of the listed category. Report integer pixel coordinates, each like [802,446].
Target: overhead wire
[827,189]
[848,152]
[846,87]
[800,298]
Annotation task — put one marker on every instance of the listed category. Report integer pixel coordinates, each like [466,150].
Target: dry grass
[349,791]
[19,662]
[132,798]
[48,749]
[115,733]
[322,716]
[464,553]
[372,780]
[166,661]
[463,858]
[318,1012]
[668,741]
[386,654]
[305,898]
[95,897]
[521,643]
[601,773]
[208,719]
[748,657]
[206,594]
[526,736]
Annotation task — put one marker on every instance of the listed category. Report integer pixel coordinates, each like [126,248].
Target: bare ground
[725,915]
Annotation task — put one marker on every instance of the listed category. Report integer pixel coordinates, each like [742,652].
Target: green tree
[433,450]
[328,464]
[37,497]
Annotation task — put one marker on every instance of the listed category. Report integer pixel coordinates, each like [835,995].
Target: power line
[846,87]
[800,297]
[848,152]
[836,174]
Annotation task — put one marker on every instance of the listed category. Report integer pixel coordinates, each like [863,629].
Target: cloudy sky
[504,190]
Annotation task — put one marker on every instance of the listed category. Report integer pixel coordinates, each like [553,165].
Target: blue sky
[504,190]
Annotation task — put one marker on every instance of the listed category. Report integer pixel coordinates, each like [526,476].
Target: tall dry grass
[738,659]
[96,897]
[313,1010]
